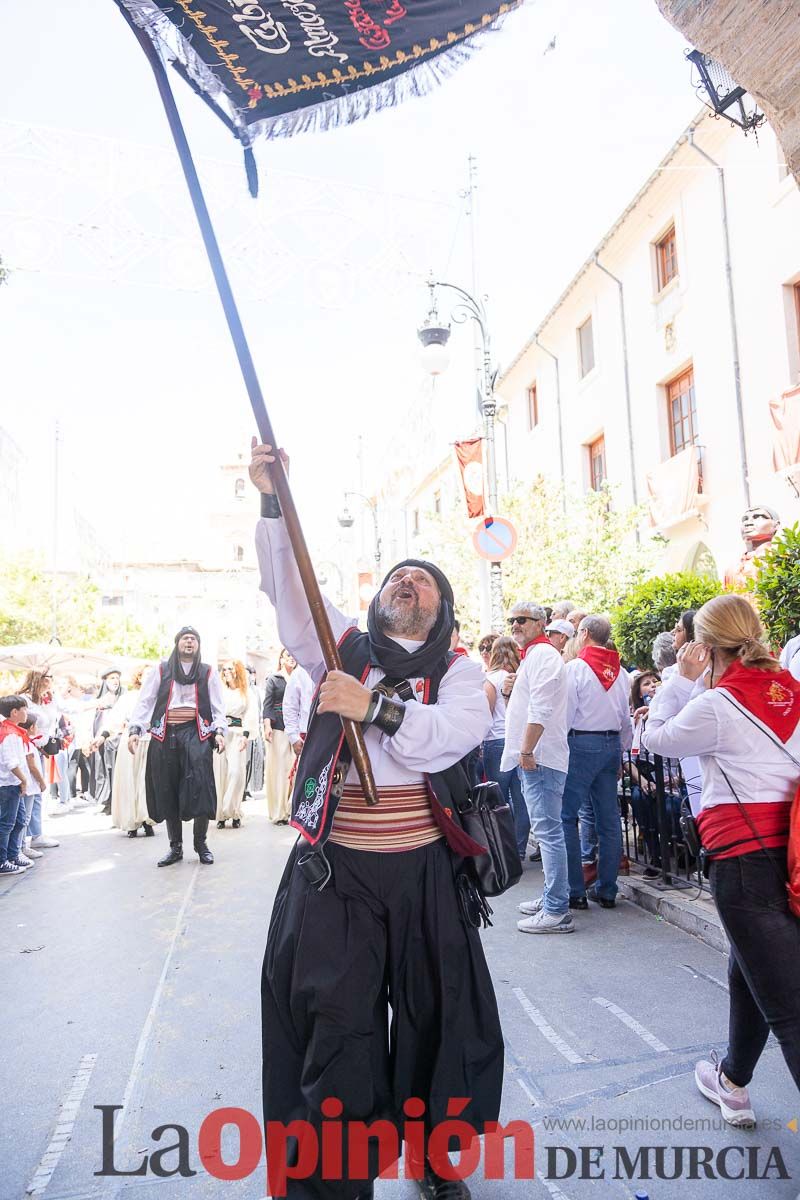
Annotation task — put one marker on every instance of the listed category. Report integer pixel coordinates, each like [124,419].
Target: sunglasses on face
[519,620]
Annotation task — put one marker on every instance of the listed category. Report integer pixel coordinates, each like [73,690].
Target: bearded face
[409,604]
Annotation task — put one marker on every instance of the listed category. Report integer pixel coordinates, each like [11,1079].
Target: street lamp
[433,336]
[347,520]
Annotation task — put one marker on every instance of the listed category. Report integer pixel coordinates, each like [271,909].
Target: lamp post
[434,336]
[347,520]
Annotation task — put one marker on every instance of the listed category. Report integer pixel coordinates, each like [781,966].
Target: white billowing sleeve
[434,736]
[280,579]
[146,702]
[678,725]
[291,707]
[218,718]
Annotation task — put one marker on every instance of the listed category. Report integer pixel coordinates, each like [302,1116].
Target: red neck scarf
[541,640]
[8,727]
[461,652]
[771,696]
[604,663]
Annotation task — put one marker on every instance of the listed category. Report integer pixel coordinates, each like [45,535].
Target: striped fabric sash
[403,819]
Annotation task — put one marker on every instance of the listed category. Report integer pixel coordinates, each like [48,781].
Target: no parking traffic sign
[494,538]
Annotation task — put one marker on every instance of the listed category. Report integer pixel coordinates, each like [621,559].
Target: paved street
[124,984]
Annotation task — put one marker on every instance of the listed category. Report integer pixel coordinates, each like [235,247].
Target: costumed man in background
[367,916]
[182,707]
[759,526]
[105,743]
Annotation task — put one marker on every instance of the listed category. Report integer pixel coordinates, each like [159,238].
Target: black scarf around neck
[179,673]
[395,660]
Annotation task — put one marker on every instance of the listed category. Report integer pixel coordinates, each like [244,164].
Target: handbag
[52,747]
[488,820]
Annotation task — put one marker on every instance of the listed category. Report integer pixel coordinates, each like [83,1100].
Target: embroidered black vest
[325,761]
[158,721]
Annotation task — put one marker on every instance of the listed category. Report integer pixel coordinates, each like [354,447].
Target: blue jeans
[588,831]
[594,760]
[511,789]
[33,816]
[543,789]
[12,821]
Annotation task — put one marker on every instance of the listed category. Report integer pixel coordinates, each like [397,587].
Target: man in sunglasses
[536,746]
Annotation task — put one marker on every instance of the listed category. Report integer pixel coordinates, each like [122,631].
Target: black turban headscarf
[175,664]
[391,657]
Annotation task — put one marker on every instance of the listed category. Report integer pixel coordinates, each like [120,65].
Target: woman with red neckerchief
[745,730]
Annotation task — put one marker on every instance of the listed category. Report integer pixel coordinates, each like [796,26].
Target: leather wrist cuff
[389,716]
[269,505]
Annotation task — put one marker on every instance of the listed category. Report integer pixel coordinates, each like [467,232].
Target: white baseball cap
[559,626]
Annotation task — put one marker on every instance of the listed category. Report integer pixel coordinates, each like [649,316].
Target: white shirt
[498,729]
[297,703]
[591,707]
[183,695]
[790,656]
[539,697]
[432,736]
[12,754]
[720,735]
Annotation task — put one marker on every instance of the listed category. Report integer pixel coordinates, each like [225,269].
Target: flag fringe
[174,45]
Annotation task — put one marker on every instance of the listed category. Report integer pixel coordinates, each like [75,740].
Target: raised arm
[280,579]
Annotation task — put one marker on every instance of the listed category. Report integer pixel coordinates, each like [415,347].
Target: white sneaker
[43,843]
[80,803]
[59,810]
[545,922]
[531,907]
[31,853]
[734,1102]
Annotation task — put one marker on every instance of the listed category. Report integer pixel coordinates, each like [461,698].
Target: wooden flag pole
[330,651]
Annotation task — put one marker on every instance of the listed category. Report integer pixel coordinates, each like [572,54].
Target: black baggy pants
[385,933]
[179,781]
[764,965]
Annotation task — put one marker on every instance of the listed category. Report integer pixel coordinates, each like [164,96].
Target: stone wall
[759,43]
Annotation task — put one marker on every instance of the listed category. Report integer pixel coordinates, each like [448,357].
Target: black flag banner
[291,66]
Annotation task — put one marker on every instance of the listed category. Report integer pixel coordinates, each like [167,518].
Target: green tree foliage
[654,606]
[26,613]
[777,586]
[588,554]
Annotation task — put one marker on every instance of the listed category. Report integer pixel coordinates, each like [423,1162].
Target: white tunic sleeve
[291,707]
[434,736]
[218,718]
[280,579]
[250,719]
[678,725]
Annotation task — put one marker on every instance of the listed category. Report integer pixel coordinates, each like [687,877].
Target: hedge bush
[654,606]
[777,587]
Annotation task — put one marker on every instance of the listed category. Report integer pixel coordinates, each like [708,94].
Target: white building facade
[670,365]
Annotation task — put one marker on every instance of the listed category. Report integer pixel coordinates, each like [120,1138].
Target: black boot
[200,844]
[132,832]
[236,823]
[148,830]
[174,855]
[433,1187]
